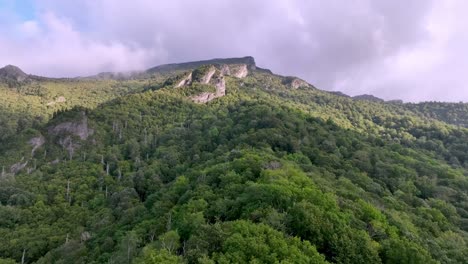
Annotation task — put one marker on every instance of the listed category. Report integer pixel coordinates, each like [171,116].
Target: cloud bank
[412,50]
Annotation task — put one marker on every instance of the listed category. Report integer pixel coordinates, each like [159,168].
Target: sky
[414,50]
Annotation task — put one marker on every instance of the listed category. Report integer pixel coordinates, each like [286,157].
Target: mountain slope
[267,172]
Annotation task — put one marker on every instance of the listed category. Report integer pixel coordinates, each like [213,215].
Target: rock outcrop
[225,70]
[239,71]
[59,100]
[213,75]
[15,168]
[208,75]
[79,128]
[205,97]
[295,83]
[185,81]
[66,130]
[36,142]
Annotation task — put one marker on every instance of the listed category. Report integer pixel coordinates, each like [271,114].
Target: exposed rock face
[220,87]
[15,168]
[36,142]
[67,144]
[214,76]
[207,77]
[225,70]
[67,129]
[85,236]
[239,71]
[205,97]
[79,128]
[186,81]
[60,99]
[295,83]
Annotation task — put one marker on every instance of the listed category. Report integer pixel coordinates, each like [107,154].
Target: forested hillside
[222,162]
[29,100]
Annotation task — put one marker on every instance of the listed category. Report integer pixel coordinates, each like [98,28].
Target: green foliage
[404,251]
[264,174]
[249,243]
[195,89]
[158,257]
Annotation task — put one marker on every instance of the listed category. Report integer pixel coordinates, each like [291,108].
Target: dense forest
[267,169]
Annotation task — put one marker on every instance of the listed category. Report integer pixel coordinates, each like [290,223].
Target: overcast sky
[410,49]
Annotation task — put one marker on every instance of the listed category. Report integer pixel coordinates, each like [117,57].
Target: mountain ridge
[248,60]
[166,169]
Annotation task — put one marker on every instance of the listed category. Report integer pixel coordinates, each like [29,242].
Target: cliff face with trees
[269,172]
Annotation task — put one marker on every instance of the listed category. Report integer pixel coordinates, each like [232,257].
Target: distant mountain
[12,73]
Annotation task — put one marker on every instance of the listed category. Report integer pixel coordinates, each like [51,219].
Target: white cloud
[413,50]
[51,46]
[431,69]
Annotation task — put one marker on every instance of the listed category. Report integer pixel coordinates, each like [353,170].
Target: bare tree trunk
[24,255]
[71,150]
[128,250]
[68,192]
[169,222]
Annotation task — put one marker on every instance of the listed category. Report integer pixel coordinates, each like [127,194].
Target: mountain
[368,97]
[222,162]
[248,61]
[12,73]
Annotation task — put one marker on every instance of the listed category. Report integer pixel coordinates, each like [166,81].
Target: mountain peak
[247,60]
[12,72]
